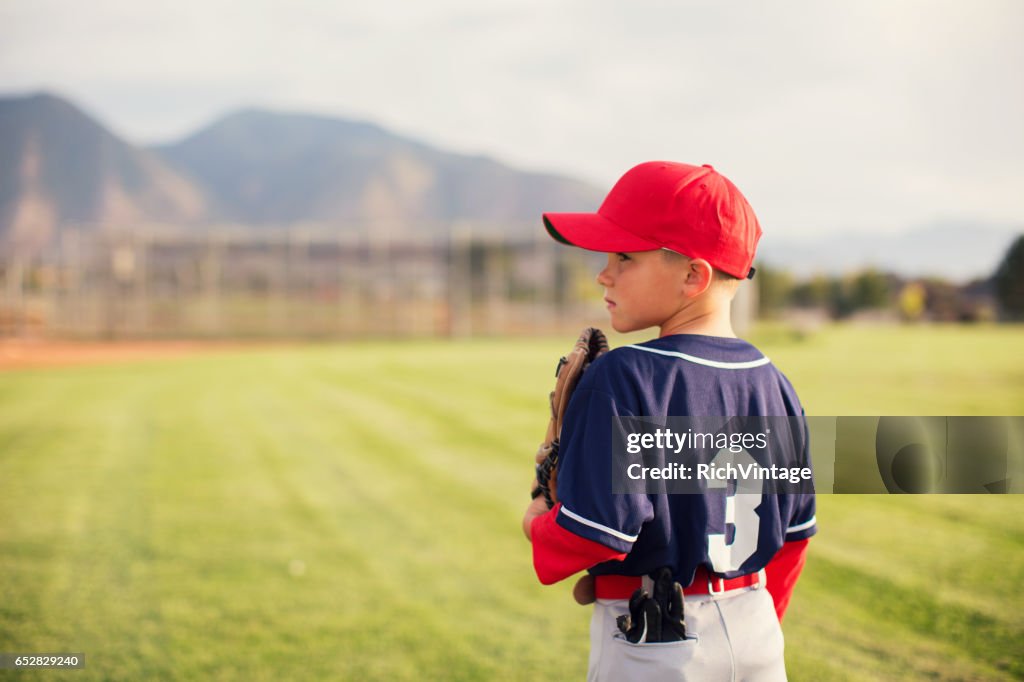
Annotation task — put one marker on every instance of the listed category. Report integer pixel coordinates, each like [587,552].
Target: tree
[1009,279]
[942,299]
[840,302]
[813,293]
[870,289]
[774,288]
[912,301]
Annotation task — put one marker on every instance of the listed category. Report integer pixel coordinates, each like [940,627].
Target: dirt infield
[27,353]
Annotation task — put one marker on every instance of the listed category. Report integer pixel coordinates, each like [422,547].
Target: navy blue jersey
[683,375]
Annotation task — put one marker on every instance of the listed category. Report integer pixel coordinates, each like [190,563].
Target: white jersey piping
[598,526]
[802,526]
[704,361]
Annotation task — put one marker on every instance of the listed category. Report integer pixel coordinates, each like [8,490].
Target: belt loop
[711,585]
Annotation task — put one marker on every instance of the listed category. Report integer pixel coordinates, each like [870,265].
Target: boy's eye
[622,257]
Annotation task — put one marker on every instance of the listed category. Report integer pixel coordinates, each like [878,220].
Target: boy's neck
[710,321]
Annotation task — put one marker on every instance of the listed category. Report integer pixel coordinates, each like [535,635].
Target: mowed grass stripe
[471,508]
[280,443]
[914,544]
[903,370]
[407,442]
[374,465]
[470,455]
[918,619]
[216,517]
[863,627]
[876,598]
[382,444]
[64,495]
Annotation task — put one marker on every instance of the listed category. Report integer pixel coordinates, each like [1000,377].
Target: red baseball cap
[693,210]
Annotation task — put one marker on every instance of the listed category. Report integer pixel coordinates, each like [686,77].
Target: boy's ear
[699,275]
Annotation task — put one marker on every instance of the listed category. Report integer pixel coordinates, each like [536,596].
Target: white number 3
[740,511]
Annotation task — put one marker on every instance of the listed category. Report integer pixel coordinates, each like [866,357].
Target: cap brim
[594,232]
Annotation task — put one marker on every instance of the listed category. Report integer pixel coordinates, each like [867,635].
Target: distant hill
[272,168]
[956,251]
[59,166]
[261,168]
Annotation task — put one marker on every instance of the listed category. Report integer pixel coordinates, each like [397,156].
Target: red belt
[623,586]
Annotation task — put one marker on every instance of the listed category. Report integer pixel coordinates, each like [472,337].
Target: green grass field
[352,512]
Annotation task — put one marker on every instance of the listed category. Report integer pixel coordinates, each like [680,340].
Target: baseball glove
[591,345]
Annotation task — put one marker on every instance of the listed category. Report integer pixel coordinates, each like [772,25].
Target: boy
[680,239]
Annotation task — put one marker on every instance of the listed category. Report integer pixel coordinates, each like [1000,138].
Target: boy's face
[642,289]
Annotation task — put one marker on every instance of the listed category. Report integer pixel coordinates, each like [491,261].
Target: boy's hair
[719,276]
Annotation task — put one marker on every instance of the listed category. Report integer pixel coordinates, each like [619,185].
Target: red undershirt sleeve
[782,573]
[558,553]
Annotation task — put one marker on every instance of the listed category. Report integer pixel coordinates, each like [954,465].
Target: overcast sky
[829,115]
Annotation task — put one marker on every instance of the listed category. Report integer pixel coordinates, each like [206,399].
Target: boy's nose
[603,279]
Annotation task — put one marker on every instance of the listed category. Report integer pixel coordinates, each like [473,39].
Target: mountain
[952,250]
[277,168]
[59,166]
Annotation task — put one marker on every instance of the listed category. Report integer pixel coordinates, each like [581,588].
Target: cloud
[830,115]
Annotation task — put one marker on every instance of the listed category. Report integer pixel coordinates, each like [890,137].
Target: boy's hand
[538,507]
[584,590]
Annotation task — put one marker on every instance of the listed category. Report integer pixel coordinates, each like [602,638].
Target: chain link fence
[301,282]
